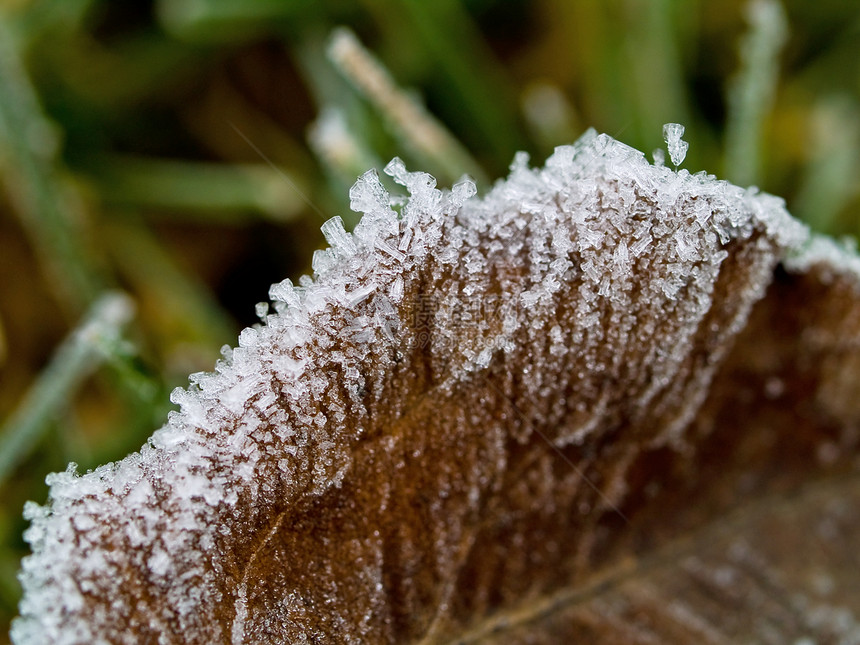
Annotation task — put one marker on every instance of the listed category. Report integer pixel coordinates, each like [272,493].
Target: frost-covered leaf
[590,404]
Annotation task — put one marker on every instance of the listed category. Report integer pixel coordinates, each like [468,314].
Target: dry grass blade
[388,457]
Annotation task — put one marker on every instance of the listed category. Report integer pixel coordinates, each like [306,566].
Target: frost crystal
[588,290]
[672,133]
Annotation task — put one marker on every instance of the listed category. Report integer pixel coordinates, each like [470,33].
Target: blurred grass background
[162,163]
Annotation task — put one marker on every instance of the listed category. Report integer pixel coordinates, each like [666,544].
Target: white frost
[677,147]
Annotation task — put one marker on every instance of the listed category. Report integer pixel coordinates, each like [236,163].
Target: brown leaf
[588,405]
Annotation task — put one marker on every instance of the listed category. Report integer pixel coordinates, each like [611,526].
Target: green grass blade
[751,93]
[211,192]
[93,342]
[44,201]
[410,121]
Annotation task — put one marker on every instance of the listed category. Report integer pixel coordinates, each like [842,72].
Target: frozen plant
[369,466]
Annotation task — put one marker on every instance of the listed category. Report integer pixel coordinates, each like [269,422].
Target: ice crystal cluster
[672,133]
[420,383]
